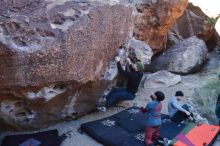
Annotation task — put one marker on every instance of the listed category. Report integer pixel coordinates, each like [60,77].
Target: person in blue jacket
[153,120]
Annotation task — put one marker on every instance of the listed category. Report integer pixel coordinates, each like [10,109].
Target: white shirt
[174,106]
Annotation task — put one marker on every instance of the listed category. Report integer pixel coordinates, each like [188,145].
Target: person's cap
[179,93]
[140,66]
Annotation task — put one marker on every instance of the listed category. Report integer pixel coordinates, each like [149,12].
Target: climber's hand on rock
[117,58]
[128,60]
[188,113]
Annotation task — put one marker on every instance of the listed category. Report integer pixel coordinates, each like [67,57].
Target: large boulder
[161,79]
[56,43]
[193,22]
[185,57]
[54,55]
[153,20]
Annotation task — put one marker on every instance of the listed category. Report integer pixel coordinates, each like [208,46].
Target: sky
[210,7]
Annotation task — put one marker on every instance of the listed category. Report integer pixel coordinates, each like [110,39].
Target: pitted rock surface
[54,55]
[52,41]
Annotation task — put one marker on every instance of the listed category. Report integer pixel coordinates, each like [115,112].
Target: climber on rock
[117,94]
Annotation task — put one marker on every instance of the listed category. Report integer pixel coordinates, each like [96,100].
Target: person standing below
[153,121]
[177,112]
[124,93]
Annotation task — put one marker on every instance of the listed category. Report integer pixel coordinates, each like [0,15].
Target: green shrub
[204,99]
[212,21]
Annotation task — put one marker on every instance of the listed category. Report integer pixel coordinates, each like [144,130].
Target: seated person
[177,112]
[133,77]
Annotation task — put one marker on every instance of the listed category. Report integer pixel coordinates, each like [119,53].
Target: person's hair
[179,93]
[160,95]
[122,46]
[132,57]
[219,76]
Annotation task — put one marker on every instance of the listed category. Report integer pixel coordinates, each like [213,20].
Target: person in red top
[153,120]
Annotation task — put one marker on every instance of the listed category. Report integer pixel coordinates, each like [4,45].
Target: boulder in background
[161,79]
[185,57]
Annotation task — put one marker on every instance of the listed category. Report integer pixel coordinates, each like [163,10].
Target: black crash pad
[128,128]
[107,131]
[47,138]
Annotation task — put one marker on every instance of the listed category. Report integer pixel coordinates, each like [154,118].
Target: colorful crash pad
[200,135]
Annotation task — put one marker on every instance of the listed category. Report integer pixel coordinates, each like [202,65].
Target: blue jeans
[180,116]
[118,94]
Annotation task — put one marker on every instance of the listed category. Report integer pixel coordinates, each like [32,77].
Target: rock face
[58,42]
[53,57]
[161,79]
[194,22]
[185,57]
[141,50]
[154,19]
